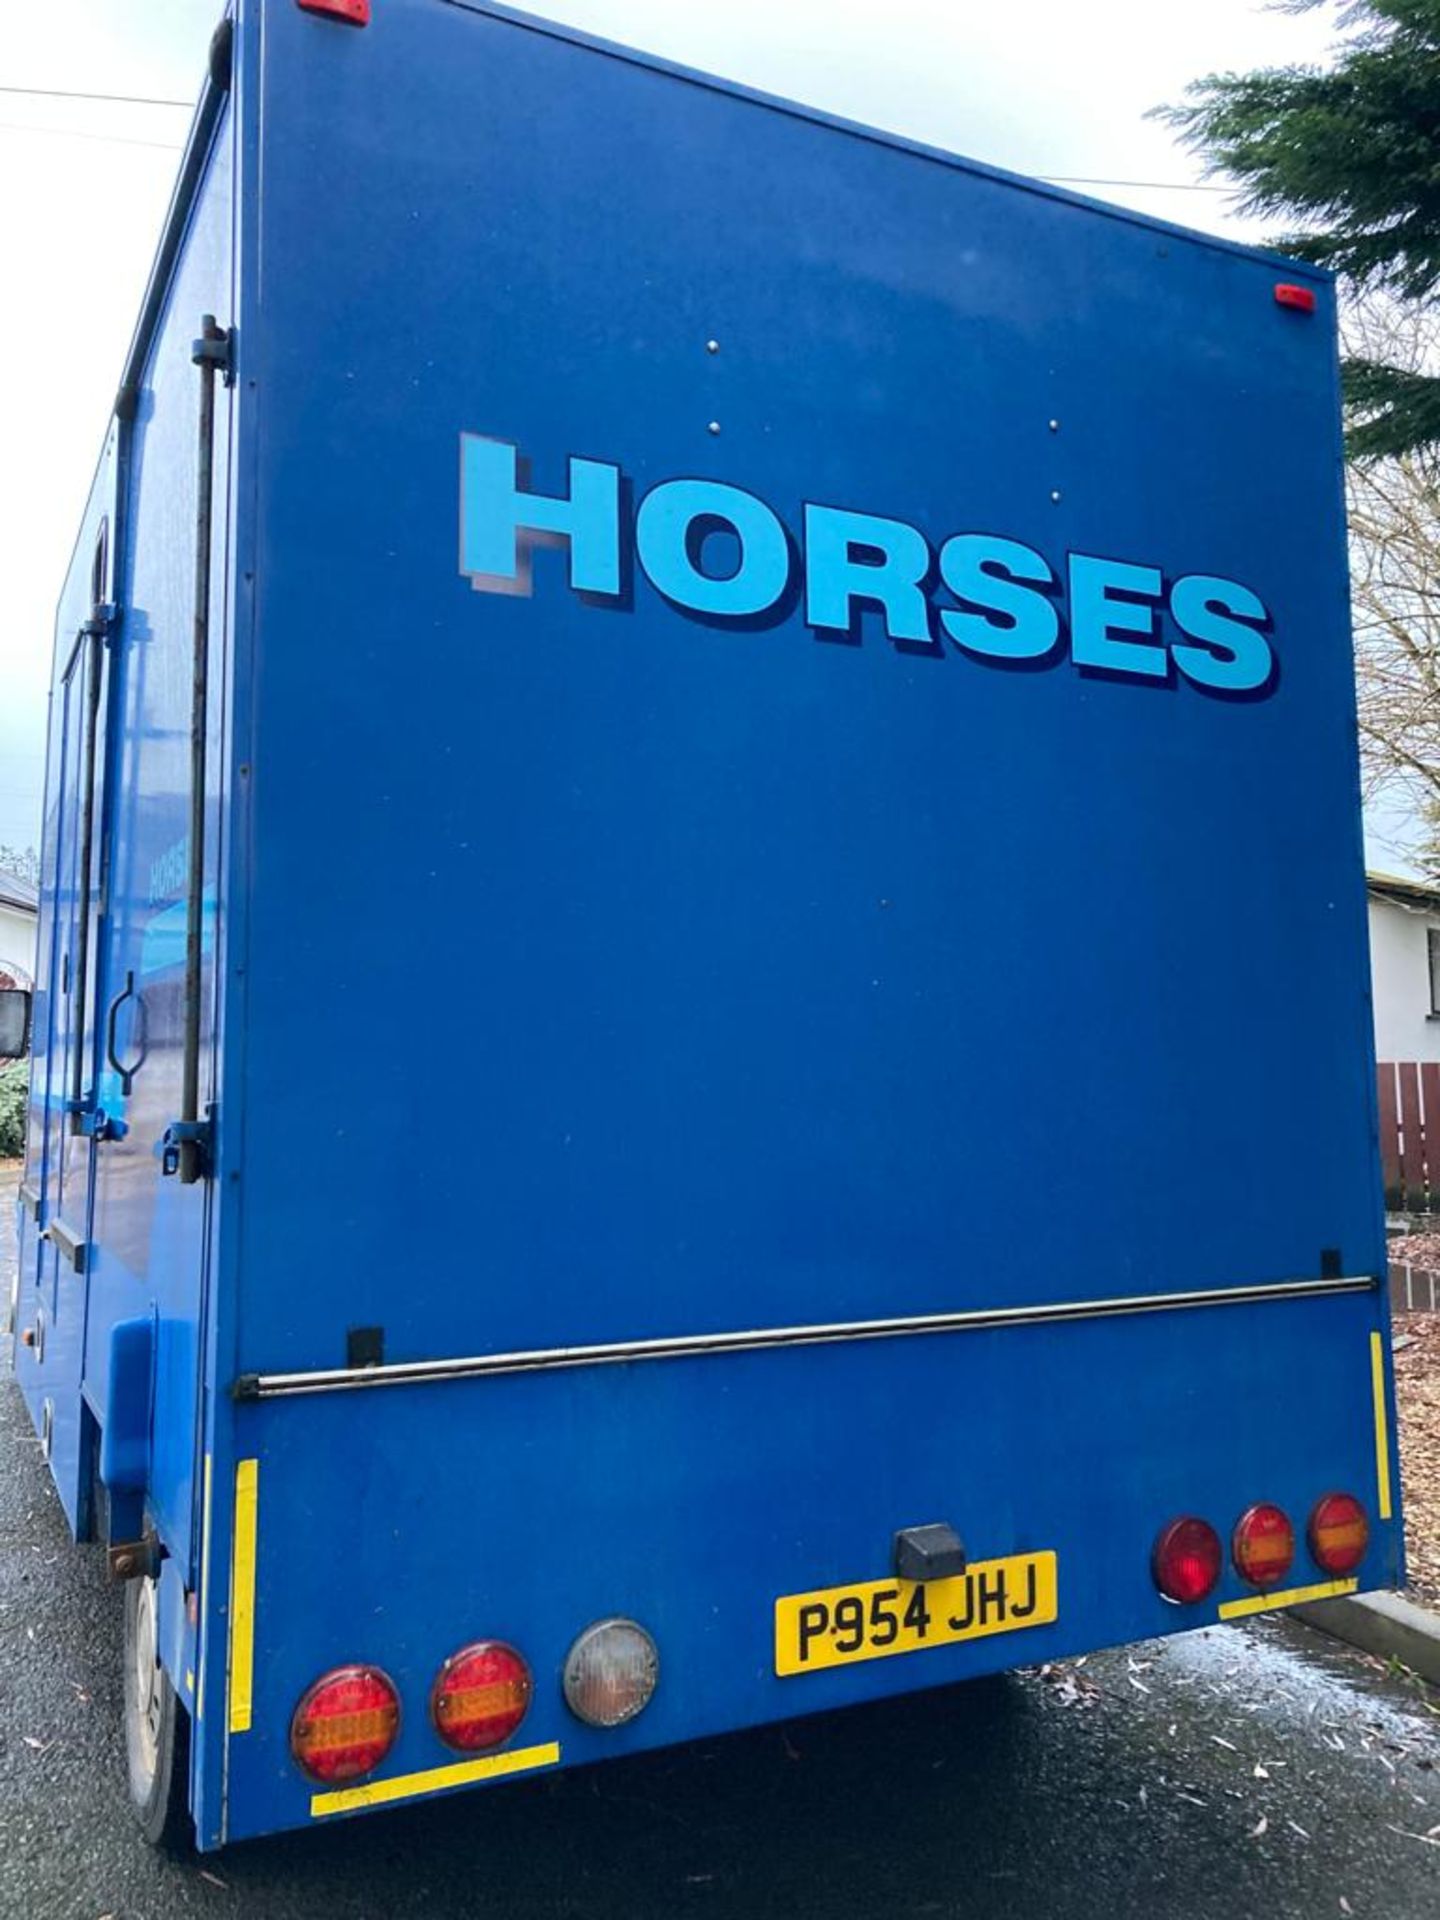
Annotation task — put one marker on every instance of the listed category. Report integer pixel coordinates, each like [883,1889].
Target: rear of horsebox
[797,1094]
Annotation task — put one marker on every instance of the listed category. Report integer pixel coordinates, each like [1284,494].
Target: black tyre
[157,1729]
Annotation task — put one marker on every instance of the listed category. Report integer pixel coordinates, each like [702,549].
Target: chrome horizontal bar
[401,1373]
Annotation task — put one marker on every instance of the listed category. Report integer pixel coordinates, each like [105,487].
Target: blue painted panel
[150,1232]
[755,978]
[50,1294]
[691,1495]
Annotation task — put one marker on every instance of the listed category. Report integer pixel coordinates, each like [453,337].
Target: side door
[60,1162]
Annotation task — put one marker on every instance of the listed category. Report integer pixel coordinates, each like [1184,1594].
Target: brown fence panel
[1430,1125]
[1390,1135]
[1412,1138]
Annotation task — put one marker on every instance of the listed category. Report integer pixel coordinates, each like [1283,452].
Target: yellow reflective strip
[1382,1432]
[242,1596]
[406,1785]
[204,1582]
[1292,1597]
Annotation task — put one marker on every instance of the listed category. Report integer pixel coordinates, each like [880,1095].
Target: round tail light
[1263,1545]
[1339,1533]
[1187,1560]
[610,1673]
[480,1696]
[346,1724]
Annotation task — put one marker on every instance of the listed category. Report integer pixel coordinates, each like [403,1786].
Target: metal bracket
[135,1559]
[215,348]
[94,1123]
[104,617]
[197,1134]
[71,1246]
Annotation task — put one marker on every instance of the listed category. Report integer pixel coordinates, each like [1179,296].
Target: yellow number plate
[840,1625]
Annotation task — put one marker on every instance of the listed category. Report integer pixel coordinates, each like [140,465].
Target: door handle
[127,1074]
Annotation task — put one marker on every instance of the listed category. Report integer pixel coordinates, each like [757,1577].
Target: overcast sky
[1042,86]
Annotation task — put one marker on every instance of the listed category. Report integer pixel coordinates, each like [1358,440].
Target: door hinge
[215,348]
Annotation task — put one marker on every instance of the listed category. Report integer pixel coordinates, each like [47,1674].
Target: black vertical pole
[210,356]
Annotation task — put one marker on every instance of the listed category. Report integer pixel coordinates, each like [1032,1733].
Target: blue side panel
[52,1277]
[150,1232]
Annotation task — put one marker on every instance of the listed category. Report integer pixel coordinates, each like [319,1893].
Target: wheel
[157,1727]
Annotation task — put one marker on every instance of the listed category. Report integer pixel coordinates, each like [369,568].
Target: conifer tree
[1349,158]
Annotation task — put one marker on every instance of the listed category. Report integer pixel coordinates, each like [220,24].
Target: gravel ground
[1417,1397]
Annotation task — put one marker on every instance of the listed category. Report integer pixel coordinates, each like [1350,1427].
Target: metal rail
[210,357]
[92,634]
[274,1386]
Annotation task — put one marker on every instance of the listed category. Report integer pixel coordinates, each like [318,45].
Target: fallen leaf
[1262,1825]
[1345,1906]
[1229,1745]
[214,1880]
[1260,1773]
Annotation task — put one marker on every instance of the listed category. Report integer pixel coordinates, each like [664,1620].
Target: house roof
[15,892]
[1403,893]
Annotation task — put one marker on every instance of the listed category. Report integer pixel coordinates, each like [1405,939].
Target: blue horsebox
[703,1046]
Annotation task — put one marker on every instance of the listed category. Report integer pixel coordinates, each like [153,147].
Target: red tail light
[346,1724]
[1339,1533]
[1263,1545]
[480,1696]
[1187,1559]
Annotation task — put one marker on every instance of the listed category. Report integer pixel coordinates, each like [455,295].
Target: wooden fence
[1410,1134]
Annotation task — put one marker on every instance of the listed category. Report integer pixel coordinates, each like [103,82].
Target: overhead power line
[120,99]
[74,133]
[1158,186]
[146,100]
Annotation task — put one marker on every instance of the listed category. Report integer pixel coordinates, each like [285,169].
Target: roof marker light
[355,12]
[1302,299]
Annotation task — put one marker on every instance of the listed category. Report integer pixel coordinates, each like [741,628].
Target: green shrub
[14,1097]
